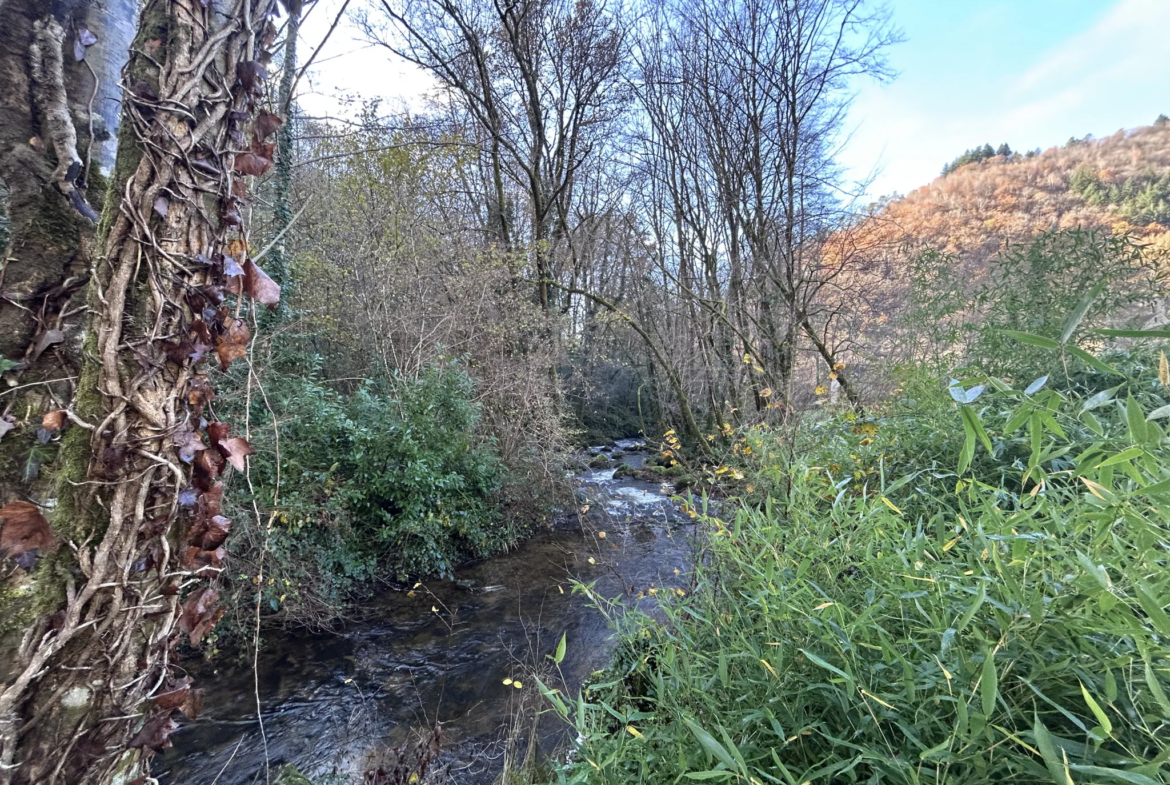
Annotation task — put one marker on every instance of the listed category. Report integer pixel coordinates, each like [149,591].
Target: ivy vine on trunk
[137,529]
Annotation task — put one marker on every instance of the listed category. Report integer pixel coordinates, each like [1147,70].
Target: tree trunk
[90,692]
[45,259]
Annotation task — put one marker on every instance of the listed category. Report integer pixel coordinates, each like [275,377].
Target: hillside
[1120,183]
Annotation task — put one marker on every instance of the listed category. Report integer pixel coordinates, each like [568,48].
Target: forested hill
[1119,183]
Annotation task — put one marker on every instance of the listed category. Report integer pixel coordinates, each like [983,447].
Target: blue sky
[1031,73]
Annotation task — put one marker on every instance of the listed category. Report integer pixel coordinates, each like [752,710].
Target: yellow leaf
[562,591]
[950,545]
[879,700]
[820,390]
[771,670]
[517,684]
[592,560]
[833,375]
[823,605]
[412,594]
[891,505]
[669,433]
[1095,488]
[630,729]
[764,393]
[507,682]
[434,609]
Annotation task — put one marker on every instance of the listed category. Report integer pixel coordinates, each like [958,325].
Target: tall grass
[971,590]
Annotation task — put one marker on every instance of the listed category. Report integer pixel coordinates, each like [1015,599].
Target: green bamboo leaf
[560,655]
[1135,420]
[1053,761]
[969,614]
[1134,333]
[970,417]
[1100,398]
[818,661]
[1090,360]
[1098,712]
[1079,312]
[1156,689]
[1160,413]
[1153,609]
[989,685]
[708,743]
[1032,340]
[1116,775]
[1124,455]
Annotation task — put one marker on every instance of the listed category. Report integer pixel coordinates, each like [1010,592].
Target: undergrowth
[968,587]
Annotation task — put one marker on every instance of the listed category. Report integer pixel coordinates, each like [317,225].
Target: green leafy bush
[390,481]
[971,588]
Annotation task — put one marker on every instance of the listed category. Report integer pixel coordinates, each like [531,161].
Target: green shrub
[389,481]
[955,592]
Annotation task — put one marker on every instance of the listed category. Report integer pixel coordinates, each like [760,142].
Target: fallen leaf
[7,423]
[162,206]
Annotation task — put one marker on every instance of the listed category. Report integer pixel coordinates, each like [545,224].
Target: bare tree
[541,79]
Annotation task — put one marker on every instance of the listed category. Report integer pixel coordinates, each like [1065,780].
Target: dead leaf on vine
[197,559]
[199,394]
[266,124]
[188,443]
[233,343]
[24,532]
[155,734]
[217,432]
[235,450]
[162,206]
[208,465]
[252,164]
[179,695]
[200,613]
[209,534]
[188,497]
[232,268]
[250,74]
[210,501]
[259,286]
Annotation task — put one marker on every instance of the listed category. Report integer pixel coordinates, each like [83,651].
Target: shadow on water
[330,701]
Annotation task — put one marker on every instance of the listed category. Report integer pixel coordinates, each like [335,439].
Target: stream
[334,703]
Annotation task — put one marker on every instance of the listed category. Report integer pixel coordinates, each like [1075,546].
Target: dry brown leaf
[259,286]
[24,532]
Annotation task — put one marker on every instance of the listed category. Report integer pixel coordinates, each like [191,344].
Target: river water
[332,704]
